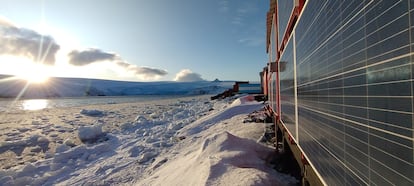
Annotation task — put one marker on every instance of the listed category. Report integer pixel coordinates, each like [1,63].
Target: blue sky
[139,40]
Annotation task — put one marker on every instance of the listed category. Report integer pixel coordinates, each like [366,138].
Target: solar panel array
[347,89]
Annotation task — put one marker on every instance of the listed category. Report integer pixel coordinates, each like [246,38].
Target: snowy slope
[221,150]
[192,141]
[75,87]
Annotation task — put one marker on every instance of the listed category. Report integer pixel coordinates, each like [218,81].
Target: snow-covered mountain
[76,87]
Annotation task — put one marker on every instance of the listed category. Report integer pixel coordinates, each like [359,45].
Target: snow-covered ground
[186,141]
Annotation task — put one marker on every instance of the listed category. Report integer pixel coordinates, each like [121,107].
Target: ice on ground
[188,141]
[90,133]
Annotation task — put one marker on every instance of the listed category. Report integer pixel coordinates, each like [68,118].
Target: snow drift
[193,141]
[223,159]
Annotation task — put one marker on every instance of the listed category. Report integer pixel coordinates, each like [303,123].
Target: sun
[37,73]
[35,78]
[25,69]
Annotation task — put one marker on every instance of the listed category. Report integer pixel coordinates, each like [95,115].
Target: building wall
[347,89]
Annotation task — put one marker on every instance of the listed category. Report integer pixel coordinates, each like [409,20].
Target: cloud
[5,22]
[187,75]
[91,55]
[150,73]
[27,43]
[146,73]
[16,41]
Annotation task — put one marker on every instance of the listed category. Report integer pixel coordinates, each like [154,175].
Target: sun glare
[34,104]
[25,69]
[34,78]
[36,74]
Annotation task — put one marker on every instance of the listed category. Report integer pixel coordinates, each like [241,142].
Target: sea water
[37,104]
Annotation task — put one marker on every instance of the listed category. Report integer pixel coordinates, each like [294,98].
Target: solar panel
[347,89]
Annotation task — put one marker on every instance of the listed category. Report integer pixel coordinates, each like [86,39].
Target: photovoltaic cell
[354,73]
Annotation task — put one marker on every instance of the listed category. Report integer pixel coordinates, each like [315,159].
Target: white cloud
[26,43]
[146,73]
[16,42]
[5,22]
[88,56]
[96,56]
[187,75]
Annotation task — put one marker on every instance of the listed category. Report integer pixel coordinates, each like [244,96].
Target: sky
[134,40]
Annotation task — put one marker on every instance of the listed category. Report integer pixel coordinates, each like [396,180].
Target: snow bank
[212,155]
[223,159]
[192,141]
[244,100]
[239,106]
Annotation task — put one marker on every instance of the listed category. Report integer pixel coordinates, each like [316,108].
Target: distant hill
[77,87]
